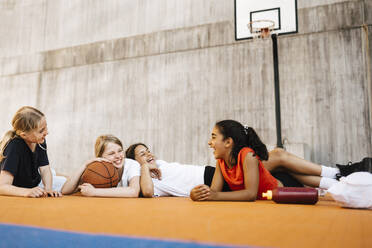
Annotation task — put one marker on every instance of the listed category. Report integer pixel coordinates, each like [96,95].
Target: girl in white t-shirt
[110,149]
[161,178]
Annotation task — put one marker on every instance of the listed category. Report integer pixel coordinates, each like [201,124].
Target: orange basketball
[101,175]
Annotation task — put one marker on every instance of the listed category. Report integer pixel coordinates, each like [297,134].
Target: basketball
[101,175]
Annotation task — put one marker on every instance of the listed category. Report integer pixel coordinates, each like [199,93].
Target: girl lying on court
[244,163]
[110,149]
[23,157]
[167,179]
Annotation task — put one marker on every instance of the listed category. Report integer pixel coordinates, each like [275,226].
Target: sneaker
[345,170]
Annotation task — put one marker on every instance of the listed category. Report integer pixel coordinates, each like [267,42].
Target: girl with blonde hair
[23,157]
[110,149]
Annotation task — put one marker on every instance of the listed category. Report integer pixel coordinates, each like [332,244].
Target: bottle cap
[268,195]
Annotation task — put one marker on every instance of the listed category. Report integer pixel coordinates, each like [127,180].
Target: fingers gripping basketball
[101,175]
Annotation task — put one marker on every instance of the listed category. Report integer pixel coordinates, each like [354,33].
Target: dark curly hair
[129,153]
[242,137]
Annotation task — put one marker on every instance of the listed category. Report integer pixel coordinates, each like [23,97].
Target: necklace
[42,147]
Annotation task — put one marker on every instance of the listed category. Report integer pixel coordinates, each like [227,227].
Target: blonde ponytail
[8,136]
[25,119]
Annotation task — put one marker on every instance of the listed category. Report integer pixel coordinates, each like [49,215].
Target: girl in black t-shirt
[23,154]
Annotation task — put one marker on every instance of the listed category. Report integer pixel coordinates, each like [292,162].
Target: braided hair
[242,137]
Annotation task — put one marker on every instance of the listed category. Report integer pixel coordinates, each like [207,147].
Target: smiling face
[114,153]
[143,155]
[38,134]
[221,146]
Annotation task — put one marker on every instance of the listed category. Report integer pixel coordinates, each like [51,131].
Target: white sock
[329,172]
[326,183]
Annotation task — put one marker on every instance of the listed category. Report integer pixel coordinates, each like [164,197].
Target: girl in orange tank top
[242,161]
[239,153]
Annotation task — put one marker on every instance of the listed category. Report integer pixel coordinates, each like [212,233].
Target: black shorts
[286,179]
[208,176]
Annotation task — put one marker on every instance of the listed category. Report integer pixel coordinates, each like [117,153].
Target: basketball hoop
[261,28]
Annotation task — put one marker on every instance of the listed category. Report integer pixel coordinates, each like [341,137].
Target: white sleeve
[133,168]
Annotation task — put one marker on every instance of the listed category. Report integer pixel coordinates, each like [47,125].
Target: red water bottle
[292,195]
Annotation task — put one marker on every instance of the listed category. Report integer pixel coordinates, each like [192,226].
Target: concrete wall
[97,67]
[30,26]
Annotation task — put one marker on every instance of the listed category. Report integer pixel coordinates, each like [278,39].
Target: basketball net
[261,28]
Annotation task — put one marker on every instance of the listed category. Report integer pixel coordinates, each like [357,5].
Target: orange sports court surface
[260,223]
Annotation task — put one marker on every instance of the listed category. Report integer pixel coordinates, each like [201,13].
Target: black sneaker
[345,170]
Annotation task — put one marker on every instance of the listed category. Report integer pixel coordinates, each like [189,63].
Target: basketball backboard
[283,13]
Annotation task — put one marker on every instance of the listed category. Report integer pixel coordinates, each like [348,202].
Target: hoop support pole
[279,142]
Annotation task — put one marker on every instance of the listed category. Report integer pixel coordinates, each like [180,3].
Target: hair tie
[246,127]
